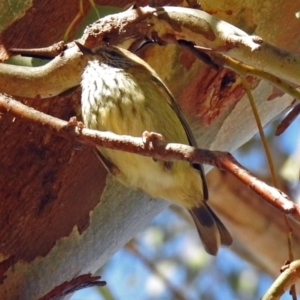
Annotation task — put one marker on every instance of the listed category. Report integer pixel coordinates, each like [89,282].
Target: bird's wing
[191,138]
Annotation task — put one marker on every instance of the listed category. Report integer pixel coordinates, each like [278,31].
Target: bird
[122,94]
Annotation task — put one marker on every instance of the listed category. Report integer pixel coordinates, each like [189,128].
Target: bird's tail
[211,230]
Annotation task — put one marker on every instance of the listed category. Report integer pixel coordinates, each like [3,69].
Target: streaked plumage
[122,94]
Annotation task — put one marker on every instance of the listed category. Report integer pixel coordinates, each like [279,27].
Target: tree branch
[75,284]
[163,25]
[57,76]
[159,150]
[170,24]
[289,276]
[286,122]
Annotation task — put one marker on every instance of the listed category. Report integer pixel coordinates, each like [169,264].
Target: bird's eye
[115,54]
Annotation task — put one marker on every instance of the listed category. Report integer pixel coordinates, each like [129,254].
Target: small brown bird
[121,93]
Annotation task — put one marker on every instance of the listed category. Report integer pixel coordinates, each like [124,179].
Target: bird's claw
[151,137]
[74,122]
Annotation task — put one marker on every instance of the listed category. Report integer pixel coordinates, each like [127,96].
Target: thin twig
[287,278]
[75,284]
[275,180]
[46,52]
[287,121]
[261,133]
[244,69]
[161,151]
